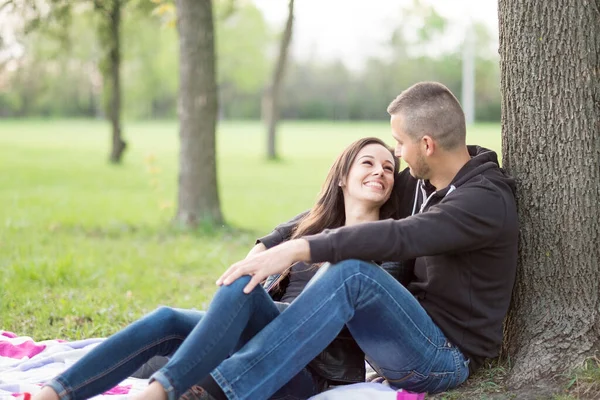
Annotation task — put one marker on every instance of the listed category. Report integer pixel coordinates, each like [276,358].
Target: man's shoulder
[486,195]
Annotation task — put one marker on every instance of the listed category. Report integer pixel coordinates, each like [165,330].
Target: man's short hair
[430,108]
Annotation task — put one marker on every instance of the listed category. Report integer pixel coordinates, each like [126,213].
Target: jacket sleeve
[281,233]
[466,219]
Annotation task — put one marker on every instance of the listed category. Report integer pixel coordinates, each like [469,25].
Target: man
[427,333]
[462,236]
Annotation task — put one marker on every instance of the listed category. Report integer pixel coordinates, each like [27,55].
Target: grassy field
[87,247]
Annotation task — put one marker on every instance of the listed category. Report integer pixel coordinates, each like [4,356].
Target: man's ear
[429,145]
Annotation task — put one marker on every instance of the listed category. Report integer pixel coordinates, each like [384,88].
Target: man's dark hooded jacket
[458,248]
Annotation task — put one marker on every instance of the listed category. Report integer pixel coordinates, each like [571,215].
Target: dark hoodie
[463,240]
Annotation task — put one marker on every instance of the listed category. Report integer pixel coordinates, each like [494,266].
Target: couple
[448,221]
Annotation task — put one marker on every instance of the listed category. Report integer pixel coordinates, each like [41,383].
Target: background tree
[56,16]
[70,83]
[550,67]
[242,40]
[273,91]
[109,27]
[198,198]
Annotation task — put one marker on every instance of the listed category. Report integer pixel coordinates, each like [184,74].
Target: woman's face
[371,176]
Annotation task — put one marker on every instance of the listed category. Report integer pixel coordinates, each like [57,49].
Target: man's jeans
[198,342]
[399,338]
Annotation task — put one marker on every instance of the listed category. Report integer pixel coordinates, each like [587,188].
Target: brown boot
[196,393]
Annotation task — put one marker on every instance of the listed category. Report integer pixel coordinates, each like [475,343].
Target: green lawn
[86,247]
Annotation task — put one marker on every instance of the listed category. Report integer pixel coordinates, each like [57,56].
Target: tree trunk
[271,100]
[198,195]
[114,59]
[550,66]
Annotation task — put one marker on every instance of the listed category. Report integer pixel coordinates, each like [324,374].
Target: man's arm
[463,221]
[258,248]
[281,233]
[460,223]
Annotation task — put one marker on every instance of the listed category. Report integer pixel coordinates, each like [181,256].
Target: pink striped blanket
[26,364]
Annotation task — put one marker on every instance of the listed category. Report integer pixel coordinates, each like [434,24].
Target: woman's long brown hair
[329,211]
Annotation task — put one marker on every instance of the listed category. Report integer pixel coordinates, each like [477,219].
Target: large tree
[198,195]
[550,79]
[272,94]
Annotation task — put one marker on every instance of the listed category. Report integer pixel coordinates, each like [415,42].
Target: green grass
[86,247]
[584,382]
[490,383]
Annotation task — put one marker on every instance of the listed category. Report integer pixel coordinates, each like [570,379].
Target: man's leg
[387,322]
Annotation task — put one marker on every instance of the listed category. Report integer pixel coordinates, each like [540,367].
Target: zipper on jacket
[424,195]
[427,198]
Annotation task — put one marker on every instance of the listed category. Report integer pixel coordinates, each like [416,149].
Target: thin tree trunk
[550,67]
[272,93]
[118,144]
[198,198]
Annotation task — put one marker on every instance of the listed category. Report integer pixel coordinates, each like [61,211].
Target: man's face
[409,149]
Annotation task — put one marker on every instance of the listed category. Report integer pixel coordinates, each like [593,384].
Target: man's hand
[269,262]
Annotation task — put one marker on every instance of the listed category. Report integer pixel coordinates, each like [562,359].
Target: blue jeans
[398,337]
[198,342]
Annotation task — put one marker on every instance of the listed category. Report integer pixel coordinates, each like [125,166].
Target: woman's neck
[357,215]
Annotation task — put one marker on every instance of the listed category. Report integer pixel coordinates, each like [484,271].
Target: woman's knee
[235,290]
[164,314]
[237,286]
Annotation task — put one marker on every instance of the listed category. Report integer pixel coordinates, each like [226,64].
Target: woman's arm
[281,233]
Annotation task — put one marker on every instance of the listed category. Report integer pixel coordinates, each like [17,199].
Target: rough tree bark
[198,198]
[115,8]
[550,67]
[271,97]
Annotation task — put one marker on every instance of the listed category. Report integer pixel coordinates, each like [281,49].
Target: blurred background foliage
[58,70]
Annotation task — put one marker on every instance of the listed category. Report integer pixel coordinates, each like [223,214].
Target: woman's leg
[392,328]
[232,316]
[116,358]
[157,362]
[166,329]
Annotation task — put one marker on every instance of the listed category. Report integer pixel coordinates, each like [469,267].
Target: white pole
[468,75]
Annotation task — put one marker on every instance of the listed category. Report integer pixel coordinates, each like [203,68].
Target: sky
[351,30]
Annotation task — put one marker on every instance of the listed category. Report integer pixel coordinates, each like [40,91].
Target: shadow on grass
[490,383]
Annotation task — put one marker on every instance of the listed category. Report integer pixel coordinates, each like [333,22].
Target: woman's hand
[269,262]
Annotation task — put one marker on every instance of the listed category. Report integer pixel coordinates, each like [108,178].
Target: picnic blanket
[26,364]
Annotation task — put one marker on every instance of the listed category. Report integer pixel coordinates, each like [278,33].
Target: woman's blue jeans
[198,342]
[398,337]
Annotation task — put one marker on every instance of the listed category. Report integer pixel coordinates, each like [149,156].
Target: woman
[357,189]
